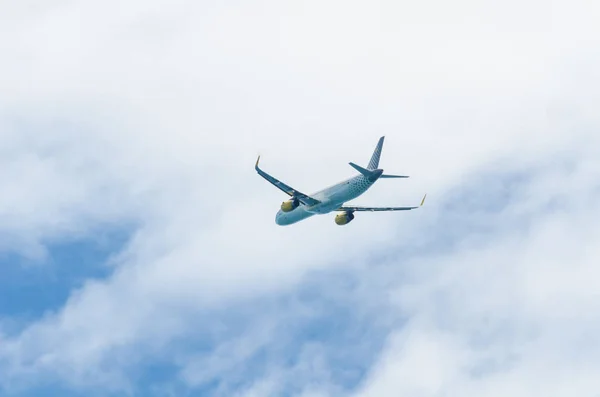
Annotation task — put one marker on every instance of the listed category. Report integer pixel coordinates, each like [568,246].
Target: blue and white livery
[301,206]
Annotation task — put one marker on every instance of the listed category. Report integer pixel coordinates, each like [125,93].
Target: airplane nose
[281,219]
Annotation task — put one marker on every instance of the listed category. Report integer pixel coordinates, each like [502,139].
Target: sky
[138,250]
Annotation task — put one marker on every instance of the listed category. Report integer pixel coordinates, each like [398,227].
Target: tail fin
[374,163]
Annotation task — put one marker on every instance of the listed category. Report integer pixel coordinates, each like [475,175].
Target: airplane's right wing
[373,209]
[303,198]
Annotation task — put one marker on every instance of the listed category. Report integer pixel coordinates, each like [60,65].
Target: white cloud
[517,315]
[153,113]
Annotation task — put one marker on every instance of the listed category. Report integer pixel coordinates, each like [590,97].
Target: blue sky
[32,287]
[138,250]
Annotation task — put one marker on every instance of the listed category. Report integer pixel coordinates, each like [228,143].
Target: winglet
[423,201]
[257,160]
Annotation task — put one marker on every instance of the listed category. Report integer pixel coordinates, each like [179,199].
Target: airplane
[301,206]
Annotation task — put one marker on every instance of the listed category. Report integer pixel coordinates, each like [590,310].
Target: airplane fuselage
[330,198]
[300,206]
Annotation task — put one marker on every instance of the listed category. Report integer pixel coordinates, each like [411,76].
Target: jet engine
[290,205]
[344,218]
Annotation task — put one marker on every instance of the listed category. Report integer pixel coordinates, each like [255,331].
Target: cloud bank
[146,117]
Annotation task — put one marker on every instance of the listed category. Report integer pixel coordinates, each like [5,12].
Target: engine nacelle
[344,218]
[290,205]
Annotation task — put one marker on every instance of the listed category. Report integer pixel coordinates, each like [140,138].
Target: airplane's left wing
[303,198]
[373,209]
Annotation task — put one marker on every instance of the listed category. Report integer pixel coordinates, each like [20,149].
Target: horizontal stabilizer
[393,176]
[362,170]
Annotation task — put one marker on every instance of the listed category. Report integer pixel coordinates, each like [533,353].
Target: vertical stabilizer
[374,163]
